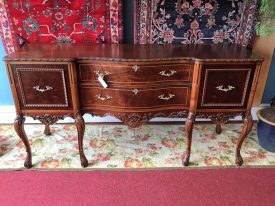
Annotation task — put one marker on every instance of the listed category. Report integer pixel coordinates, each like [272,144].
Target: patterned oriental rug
[56,21]
[195,21]
[116,146]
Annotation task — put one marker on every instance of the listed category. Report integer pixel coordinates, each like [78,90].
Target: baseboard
[7,115]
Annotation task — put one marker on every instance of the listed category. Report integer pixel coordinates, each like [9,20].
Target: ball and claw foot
[239,160]
[185,160]
[28,162]
[84,161]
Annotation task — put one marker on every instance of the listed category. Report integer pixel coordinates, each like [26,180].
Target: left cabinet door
[42,85]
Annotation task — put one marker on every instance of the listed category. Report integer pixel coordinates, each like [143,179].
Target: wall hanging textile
[55,21]
[195,21]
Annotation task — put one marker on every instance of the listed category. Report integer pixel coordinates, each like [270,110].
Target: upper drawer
[42,85]
[138,73]
[225,86]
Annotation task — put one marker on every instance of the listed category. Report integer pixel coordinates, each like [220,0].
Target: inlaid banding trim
[224,104]
[18,70]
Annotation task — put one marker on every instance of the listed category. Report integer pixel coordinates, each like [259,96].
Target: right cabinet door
[225,85]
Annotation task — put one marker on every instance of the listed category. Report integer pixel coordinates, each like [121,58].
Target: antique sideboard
[134,83]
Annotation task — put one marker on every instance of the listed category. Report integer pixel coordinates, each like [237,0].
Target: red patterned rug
[163,187]
[55,21]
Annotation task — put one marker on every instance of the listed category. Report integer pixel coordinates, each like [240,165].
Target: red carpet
[165,187]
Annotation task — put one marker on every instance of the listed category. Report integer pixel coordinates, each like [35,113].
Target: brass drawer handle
[222,88]
[166,74]
[170,96]
[135,68]
[39,89]
[99,96]
[102,74]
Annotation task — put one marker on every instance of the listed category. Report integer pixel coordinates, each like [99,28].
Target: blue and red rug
[195,21]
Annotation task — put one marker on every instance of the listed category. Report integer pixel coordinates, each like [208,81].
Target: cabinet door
[42,85]
[225,86]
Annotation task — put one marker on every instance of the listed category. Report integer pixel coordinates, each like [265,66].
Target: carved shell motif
[47,118]
[134,120]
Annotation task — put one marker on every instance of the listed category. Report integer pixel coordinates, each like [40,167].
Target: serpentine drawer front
[133,83]
[42,85]
[136,72]
[134,97]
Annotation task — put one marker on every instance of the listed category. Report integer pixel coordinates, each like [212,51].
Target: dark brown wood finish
[225,85]
[19,129]
[80,125]
[95,97]
[42,85]
[134,73]
[47,130]
[51,82]
[192,111]
[129,52]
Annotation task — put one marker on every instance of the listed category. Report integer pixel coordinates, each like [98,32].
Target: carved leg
[218,128]
[19,128]
[80,124]
[47,130]
[247,126]
[188,130]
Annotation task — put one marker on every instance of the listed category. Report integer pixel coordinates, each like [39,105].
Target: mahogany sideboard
[51,82]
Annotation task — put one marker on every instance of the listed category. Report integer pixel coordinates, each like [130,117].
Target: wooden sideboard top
[130,52]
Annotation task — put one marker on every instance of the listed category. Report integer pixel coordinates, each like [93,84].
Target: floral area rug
[195,21]
[60,21]
[116,146]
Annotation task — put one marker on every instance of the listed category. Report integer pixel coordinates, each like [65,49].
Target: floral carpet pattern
[195,21]
[59,21]
[116,146]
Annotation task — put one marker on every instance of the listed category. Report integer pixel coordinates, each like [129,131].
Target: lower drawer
[137,98]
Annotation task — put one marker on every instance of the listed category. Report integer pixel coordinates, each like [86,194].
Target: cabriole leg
[218,128]
[47,130]
[19,128]
[188,130]
[80,125]
[247,126]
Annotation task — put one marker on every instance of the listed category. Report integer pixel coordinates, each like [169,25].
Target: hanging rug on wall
[59,21]
[195,21]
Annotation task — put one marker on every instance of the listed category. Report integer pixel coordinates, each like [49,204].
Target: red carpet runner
[162,187]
